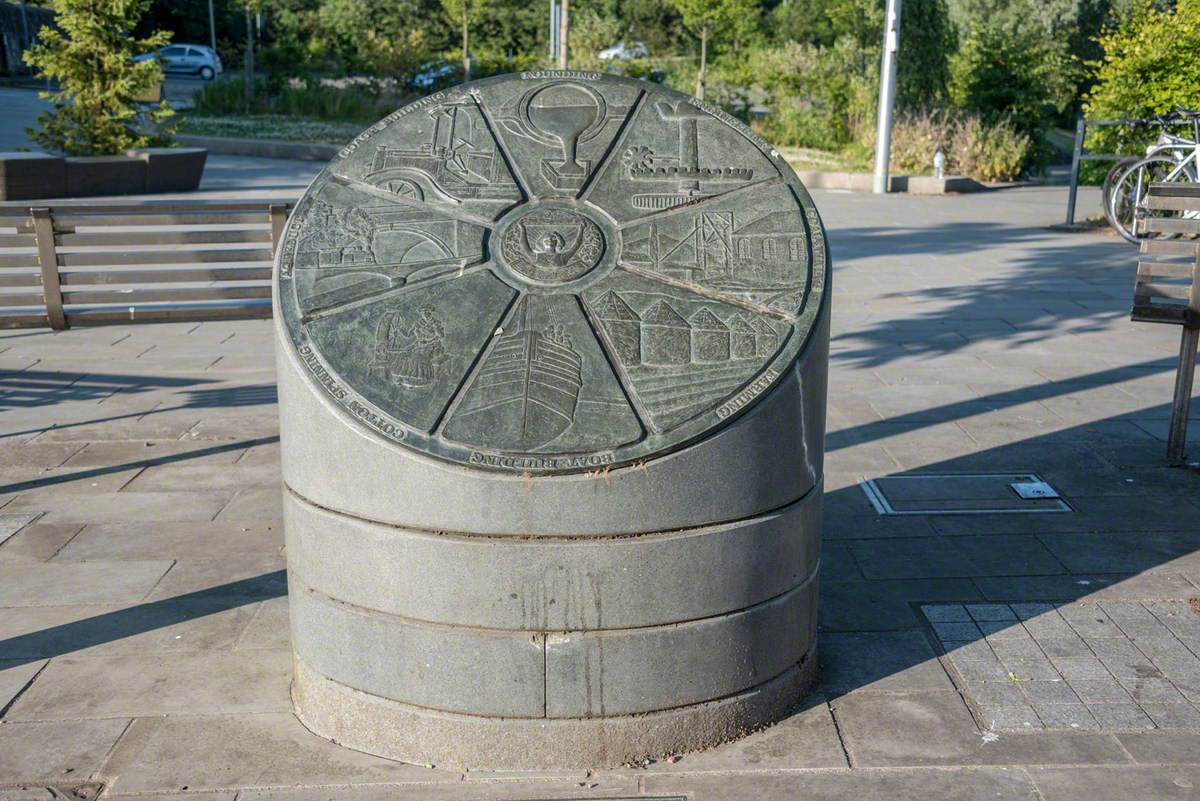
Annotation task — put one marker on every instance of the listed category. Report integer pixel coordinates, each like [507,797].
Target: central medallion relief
[551,245]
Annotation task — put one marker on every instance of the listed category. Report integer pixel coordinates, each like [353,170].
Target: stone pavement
[143,634]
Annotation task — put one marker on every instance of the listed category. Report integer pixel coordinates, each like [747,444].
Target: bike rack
[1077,156]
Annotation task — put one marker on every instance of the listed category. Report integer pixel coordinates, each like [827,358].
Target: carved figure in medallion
[410,353]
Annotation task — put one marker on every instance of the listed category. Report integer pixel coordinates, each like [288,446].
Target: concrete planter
[88,176]
[28,176]
[25,176]
[172,169]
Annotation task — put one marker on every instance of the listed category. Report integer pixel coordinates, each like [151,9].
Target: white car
[622,52]
[187,59]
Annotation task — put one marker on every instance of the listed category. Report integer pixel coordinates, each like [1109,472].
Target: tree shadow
[1041,288]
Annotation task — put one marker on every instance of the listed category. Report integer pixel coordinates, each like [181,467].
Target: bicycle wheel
[1126,206]
[1109,181]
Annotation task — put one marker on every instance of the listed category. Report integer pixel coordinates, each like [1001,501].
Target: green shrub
[916,137]
[988,151]
[1150,66]
[818,96]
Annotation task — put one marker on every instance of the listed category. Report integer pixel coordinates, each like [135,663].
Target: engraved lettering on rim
[551,272]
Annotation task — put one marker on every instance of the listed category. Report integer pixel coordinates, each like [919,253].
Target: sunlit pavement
[143,634]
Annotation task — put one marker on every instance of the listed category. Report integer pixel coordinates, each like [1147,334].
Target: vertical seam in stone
[545,676]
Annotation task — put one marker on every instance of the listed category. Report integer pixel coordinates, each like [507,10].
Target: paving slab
[184,540]
[856,785]
[115,507]
[143,685]
[892,661]
[252,575]
[1166,783]
[67,583]
[197,623]
[69,751]
[15,676]
[515,789]
[243,751]
[936,728]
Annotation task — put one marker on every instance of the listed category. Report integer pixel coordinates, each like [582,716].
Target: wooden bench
[1168,290]
[71,264]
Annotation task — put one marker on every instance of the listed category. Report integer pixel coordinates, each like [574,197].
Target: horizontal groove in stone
[531,585]
[516,674]
[816,490]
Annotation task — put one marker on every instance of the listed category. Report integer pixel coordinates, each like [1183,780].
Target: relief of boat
[526,393]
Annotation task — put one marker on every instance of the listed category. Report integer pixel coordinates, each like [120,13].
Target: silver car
[187,59]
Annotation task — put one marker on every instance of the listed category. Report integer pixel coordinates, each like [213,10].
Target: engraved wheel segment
[551,272]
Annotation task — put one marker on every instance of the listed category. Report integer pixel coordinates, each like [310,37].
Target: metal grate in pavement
[1111,666]
[962,493]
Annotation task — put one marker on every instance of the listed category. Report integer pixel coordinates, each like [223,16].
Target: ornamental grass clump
[90,55]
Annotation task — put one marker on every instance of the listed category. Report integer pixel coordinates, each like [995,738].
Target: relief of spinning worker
[409,352]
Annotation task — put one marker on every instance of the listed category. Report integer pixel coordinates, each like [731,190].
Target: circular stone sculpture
[552,351]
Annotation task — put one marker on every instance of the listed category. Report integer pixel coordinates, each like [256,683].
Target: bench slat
[1171,225]
[21,279]
[1171,247]
[22,299]
[180,295]
[10,208]
[17,240]
[122,258]
[23,320]
[1176,188]
[92,278]
[1171,291]
[134,314]
[25,260]
[68,222]
[1173,202]
[1165,269]
[125,238]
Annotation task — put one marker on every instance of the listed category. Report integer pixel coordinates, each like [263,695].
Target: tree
[707,17]
[90,53]
[463,13]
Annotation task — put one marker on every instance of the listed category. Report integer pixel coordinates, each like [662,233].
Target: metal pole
[1177,439]
[555,13]
[1076,155]
[212,27]
[887,95]
[564,33]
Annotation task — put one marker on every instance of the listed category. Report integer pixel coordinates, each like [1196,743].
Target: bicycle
[1171,158]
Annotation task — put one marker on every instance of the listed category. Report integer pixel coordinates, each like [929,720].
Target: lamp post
[887,95]
[212,27]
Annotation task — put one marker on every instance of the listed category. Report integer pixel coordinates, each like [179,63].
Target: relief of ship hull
[526,392]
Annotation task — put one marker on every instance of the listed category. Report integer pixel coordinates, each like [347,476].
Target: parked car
[187,59]
[623,52]
[434,75]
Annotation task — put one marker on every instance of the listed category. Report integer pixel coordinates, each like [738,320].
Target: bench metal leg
[1177,440]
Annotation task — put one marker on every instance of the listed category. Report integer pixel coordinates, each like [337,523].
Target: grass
[271,126]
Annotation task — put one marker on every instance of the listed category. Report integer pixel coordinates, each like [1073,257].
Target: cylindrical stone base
[388,728]
[521,652]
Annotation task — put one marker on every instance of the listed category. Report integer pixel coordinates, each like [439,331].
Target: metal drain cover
[962,494]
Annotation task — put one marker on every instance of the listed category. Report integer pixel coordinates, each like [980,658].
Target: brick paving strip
[143,618]
[1113,666]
